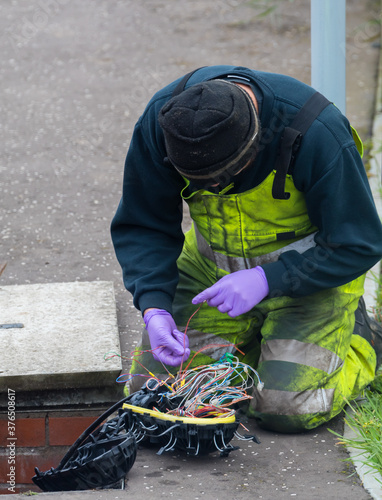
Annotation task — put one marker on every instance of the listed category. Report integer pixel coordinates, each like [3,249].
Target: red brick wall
[41,440]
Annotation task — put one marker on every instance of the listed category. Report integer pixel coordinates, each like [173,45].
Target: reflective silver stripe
[302,353]
[232,264]
[275,402]
[199,340]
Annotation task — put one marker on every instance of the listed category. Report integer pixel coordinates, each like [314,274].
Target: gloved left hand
[169,345]
[236,293]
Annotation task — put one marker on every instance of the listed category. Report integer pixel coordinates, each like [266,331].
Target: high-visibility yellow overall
[303,348]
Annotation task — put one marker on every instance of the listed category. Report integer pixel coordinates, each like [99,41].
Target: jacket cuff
[277,277]
[159,300]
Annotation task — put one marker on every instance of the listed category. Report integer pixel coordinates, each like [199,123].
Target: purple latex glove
[237,292]
[171,345]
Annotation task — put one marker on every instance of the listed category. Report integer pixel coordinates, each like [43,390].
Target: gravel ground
[75,76]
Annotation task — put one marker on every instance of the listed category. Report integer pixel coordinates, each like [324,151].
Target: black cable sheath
[88,431]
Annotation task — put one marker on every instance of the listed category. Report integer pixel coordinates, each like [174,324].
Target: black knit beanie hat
[210,129]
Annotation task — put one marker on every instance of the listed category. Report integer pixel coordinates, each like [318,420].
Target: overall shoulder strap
[181,85]
[291,140]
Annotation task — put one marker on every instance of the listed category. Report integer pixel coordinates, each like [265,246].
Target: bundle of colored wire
[212,390]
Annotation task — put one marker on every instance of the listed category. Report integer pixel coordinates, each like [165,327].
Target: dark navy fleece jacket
[146,229]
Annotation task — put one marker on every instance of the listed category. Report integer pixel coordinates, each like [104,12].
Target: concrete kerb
[372,481]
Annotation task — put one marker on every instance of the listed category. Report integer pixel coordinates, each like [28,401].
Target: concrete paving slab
[67,329]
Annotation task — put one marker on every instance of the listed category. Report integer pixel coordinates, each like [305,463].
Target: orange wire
[203,348]
[184,338]
[179,375]
[208,347]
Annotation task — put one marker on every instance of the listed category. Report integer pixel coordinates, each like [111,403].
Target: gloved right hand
[169,345]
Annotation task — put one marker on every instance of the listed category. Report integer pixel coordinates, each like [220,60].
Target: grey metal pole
[328,41]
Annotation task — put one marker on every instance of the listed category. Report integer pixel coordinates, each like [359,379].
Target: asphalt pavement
[75,76]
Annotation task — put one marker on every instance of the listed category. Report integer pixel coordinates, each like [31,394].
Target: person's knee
[286,415]
[135,384]
[287,424]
